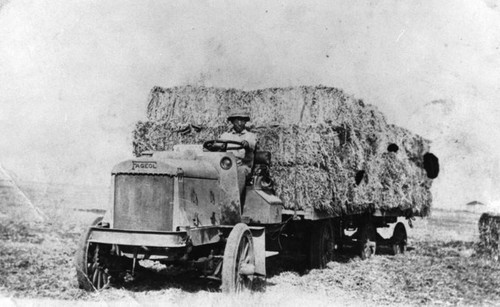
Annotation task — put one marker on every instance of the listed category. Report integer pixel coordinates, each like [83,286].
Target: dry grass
[441,268]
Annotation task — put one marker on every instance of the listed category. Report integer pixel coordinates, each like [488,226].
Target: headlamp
[226,163]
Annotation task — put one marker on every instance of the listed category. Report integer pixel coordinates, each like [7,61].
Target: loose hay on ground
[36,263]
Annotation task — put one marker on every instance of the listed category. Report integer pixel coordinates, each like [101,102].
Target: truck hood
[169,167]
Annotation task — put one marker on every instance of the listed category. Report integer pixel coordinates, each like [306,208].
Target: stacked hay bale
[489,235]
[329,150]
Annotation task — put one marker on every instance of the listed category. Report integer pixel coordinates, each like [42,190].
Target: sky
[75,75]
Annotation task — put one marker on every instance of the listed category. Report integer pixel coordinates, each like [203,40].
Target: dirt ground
[441,267]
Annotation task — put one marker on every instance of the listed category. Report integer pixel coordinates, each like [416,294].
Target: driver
[239,133]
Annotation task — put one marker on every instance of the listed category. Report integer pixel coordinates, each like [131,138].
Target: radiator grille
[143,202]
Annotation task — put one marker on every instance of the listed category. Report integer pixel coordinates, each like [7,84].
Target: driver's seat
[260,170]
[262,158]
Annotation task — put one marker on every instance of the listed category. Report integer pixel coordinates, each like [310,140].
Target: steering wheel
[222,145]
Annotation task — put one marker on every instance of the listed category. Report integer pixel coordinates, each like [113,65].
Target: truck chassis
[235,255]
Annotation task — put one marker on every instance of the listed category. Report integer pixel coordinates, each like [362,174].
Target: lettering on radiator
[143,165]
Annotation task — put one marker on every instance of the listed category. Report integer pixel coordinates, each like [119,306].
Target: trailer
[183,208]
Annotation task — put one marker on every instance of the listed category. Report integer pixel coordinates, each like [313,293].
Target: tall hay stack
[14,205]
[329,150]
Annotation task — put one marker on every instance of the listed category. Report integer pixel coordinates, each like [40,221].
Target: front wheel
[90,262]
[238,265]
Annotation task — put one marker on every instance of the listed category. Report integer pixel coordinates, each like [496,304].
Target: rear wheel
[238,265]
[322,248]
[399,240]
[367,241]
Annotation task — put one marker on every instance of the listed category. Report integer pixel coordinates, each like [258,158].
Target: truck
[184,208]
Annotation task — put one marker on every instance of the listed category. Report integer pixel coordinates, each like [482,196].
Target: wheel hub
[247,269]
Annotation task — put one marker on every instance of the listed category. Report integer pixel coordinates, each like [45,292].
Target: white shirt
[244,157]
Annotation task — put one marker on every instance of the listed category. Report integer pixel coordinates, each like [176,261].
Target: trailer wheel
[91,272]
[399,239]
[367,241]
[238,266]
[322,248]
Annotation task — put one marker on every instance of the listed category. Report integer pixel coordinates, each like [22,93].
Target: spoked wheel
[97,268]
[399,240]
[238,266]
[322,248]
[367,241]
[91,262]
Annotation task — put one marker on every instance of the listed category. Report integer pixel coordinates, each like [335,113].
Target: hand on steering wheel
[222,145]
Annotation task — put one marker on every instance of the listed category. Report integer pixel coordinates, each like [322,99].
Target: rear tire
[367,241]
[399,240]
[322,248]
[238,266]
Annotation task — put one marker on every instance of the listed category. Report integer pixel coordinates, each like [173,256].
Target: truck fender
[259,245]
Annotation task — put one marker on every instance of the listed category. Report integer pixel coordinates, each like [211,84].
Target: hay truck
[183,207]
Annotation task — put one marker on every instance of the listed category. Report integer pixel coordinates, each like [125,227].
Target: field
[441,267]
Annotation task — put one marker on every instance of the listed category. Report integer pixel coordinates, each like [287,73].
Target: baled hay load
[329,151]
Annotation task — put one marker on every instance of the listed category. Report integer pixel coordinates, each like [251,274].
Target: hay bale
[283,106]
[329,150]
[489,235]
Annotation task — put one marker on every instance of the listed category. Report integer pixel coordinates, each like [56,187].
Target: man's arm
[245,144]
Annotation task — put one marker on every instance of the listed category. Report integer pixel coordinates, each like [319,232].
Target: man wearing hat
[244,157]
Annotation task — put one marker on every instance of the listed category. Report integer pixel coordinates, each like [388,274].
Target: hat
[239,113]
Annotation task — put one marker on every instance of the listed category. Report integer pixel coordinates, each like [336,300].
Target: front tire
[91,272]
[238,265]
